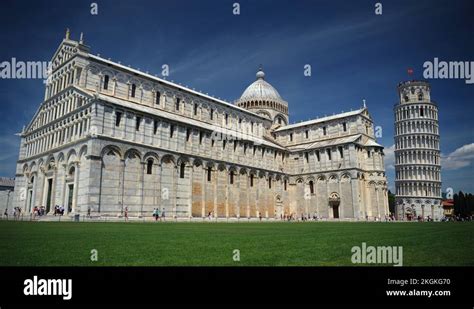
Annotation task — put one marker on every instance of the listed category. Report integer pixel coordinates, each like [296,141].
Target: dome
[260,90]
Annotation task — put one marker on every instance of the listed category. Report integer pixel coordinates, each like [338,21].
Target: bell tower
[417,153]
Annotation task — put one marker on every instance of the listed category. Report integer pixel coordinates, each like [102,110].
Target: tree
[391,202]
[463,204]
[456,204]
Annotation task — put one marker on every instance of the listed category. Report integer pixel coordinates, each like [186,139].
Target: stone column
[248,195]
[26,177]
[341,206]
[214,178]
[159,198]
[203,190]
[76,186]
[190,168]
[122,185]
[63,187]
[142,179]
[227,184]
[175,188]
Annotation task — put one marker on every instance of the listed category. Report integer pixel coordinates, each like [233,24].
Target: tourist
[163,214]
[88,212]
[126,213]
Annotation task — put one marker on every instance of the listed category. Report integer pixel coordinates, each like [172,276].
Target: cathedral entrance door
[334,201]
[278,208]
[30,199]
[335,211]
[48,194]
[70,194]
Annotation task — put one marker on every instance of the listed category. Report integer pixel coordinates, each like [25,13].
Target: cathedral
[108,138]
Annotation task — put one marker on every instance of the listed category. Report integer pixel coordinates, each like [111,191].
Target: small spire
[81,39]
[365,106]
[68,33]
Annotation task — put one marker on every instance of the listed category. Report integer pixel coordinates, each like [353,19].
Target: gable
[38,120]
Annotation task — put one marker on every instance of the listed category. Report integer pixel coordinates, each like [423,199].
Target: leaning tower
[417,154]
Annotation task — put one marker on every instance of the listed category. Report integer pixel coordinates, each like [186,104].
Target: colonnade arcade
[53,181]
[185,186]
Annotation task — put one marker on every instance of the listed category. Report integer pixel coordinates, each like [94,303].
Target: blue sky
[354,55]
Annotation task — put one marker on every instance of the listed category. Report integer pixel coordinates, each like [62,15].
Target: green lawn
[212,244]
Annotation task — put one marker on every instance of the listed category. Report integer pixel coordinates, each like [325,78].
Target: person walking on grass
[163,215]
[156,214]
[126,213]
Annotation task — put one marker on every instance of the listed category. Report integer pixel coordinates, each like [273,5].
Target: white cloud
[459,158]
[389,159]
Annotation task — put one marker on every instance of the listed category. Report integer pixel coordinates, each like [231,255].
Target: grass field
[212,244]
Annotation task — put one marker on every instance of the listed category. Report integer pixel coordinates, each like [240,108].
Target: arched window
[251,180]
[106,82]
[134,88]
[231,177]
[420,96]
[181,170]
[209,174]
[311,187]
[178,100]
[149,167]
[157,98]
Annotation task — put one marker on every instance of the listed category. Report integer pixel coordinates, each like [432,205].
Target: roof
[372,143]
[327,143]
[197,93]
[448,203]
[260,90]
[319,120]
[7,182]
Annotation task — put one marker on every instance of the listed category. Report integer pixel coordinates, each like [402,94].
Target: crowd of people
[159,214]
[457,218]
[38,211]
[58,210]
[16,213]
